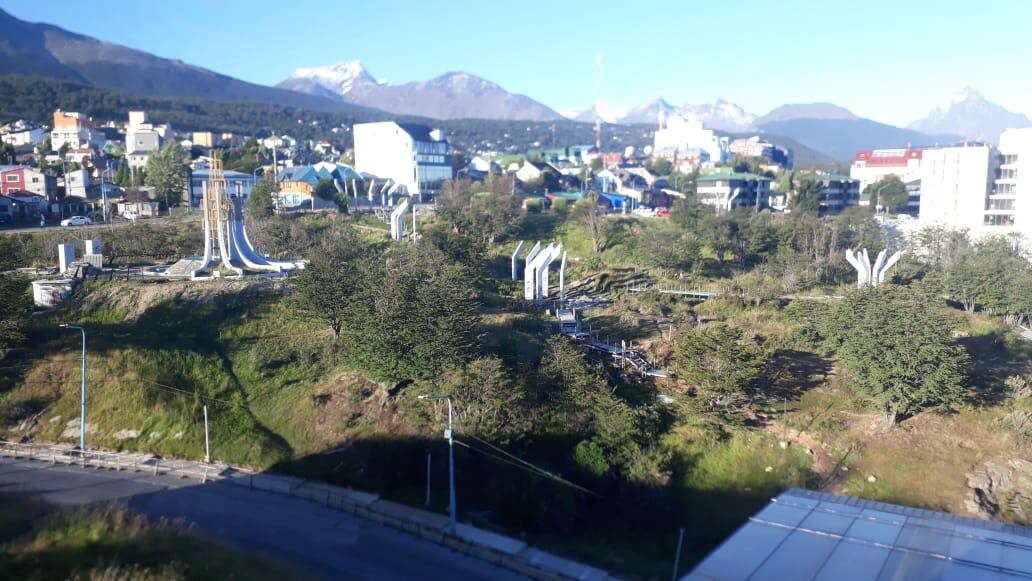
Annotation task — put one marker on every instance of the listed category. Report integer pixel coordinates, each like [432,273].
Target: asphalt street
[307,536]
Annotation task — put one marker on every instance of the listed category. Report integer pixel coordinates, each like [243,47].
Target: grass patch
[39,541]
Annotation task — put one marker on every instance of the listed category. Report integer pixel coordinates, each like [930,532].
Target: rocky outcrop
[1001,489]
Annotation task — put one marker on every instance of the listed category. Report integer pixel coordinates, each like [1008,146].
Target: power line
[524,465]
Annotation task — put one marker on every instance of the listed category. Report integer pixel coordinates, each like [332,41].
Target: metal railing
[429,526]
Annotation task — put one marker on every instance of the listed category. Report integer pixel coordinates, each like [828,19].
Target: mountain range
[43,50]
[453,95]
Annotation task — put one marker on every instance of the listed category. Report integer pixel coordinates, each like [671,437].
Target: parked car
[5,219]
[76,221]
[131,215]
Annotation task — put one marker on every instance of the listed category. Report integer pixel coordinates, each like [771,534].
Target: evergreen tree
[898,345]
[166,173]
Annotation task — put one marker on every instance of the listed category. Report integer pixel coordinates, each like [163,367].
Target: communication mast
[598,102]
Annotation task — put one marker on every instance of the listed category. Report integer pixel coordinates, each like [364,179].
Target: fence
[481,544]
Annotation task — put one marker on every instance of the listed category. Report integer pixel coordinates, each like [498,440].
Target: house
[21,206]
[74,130]
[414,155]
[727,190]
[76,182]
[141,140]
[538,170]
[20,133]
[143,208]
[237,184]
[295,186]
[14,178]
[479,168]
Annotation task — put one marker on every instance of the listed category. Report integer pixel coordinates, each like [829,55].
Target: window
[999,220]
[1000,205]
[35,180]
[13,177]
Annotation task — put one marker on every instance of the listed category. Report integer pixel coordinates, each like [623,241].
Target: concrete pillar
[516,261]
[65,256]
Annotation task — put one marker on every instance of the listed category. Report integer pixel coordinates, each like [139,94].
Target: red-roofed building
[873,165]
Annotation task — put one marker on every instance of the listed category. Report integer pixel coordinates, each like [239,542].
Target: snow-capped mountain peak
[340,77]
[970,115]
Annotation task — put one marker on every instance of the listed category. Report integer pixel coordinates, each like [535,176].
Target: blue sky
[889,60]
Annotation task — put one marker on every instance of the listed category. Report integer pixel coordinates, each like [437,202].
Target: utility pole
[82,395]
[452,524]
[207,446]
[428,478]
[677,555]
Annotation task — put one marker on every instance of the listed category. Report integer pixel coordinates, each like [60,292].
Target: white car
[131,215]
[76,221]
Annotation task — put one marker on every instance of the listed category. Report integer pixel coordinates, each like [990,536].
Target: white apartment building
[872,165]
[956,183]
[74,130]
[1009,208]
[415,156]
[684,135]
[141,139]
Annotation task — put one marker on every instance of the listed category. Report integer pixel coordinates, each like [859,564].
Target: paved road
[314,539]
[53,225]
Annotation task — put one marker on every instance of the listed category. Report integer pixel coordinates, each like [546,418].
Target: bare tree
[587,213]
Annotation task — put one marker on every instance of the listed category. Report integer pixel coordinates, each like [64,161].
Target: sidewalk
[488,546]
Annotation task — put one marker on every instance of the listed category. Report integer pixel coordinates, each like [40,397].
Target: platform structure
[225,236]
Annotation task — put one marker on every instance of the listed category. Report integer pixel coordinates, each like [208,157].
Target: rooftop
[804,534]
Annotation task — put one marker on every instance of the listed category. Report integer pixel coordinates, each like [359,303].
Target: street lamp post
[82,397]
[451,459]
[878,207]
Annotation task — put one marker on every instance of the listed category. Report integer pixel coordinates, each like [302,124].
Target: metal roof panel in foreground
[810,535]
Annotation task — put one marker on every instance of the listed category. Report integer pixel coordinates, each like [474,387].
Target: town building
[77,183]
[295,186]
[21,133]
[74,130]
[415,156]
[728,190]
[1009,207]
[141,140]
[836,193]
[956,183]
[872,165]
[203,139]
[757,148]
[20,206]
[16,178]
[686,135]
[237,184]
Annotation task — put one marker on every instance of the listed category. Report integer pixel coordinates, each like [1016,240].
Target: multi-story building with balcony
[1009,205]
